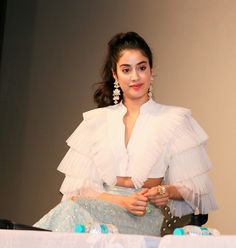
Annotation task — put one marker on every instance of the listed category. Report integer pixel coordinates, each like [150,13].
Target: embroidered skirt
[67,214]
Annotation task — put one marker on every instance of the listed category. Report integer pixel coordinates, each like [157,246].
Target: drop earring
[150,89]
[116,92]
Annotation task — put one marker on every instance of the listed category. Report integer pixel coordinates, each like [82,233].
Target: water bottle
[96,227]
[195,231]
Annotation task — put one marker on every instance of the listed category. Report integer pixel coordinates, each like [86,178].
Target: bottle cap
[104,228]
[178,231]
[205,231]
[80,228]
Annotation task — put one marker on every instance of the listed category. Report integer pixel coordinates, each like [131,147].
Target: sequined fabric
[66,215]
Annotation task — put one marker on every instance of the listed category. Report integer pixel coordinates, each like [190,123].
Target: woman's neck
[133,106]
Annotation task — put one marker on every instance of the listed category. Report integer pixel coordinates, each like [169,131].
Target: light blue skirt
[67,214]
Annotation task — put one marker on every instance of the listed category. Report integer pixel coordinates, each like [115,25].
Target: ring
[148,210]
[161,189]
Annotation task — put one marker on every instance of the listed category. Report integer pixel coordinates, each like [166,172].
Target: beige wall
[194,46]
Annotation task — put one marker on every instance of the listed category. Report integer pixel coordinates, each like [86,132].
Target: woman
[131,155]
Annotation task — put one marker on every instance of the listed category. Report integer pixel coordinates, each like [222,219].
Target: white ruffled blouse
[165,142]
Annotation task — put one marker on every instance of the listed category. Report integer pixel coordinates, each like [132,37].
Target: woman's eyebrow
[142,62]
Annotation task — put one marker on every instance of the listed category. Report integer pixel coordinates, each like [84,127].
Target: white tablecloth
[38,239]
[222,241]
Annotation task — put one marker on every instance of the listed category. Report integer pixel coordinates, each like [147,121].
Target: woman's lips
[136,86]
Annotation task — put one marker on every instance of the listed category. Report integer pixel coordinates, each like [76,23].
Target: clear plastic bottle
[96,227]
[195,231]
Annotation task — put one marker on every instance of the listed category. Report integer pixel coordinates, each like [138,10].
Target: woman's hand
[136,203]
[158,196]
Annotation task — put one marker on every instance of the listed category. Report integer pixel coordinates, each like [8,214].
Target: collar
[147,107]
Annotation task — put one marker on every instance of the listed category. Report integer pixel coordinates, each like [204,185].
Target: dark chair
[171,222]
[199,219]
[7,224]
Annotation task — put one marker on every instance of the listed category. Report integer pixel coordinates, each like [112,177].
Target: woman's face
[134,75]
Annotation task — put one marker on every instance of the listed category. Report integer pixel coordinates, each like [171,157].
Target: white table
[223,241]
[38,239]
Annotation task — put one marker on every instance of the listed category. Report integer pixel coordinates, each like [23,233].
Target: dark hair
[103,96]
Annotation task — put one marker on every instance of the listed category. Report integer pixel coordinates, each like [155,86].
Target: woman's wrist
[121,200]
[173,192]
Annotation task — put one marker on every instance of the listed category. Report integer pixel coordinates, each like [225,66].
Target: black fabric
[7,224]
[199,220]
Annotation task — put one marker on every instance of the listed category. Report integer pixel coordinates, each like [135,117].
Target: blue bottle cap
[205,231]
[80,228]
[104,228]
[178,231]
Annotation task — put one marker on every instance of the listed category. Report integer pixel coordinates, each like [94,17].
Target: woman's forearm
[135,203]
[116,199]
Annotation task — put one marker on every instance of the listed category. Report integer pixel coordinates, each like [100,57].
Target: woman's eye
[125,70]
[143,68]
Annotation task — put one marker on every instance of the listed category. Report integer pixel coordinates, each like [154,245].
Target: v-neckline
[117,130]
[126,146]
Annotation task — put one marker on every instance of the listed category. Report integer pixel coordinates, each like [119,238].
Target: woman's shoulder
[182,123]
[100,114]
[93,113]
[93,120]
[169,111]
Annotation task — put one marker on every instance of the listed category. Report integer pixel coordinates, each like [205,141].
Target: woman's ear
[114,75]
[152,73]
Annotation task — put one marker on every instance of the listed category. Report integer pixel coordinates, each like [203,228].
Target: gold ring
[161,189]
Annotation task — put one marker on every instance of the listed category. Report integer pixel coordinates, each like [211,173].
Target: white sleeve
[80,173]
[188,168]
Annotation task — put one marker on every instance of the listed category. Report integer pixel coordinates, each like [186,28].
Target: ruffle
[197,194]
[70,164]
[96,120]
[73,186]
[86,165]
[188,164]
[77,164]
[158,132]
[188,134]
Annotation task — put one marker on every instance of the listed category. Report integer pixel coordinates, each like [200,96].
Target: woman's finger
[139,212]
[160,202]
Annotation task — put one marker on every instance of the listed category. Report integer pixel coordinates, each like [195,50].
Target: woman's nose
[134,75]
